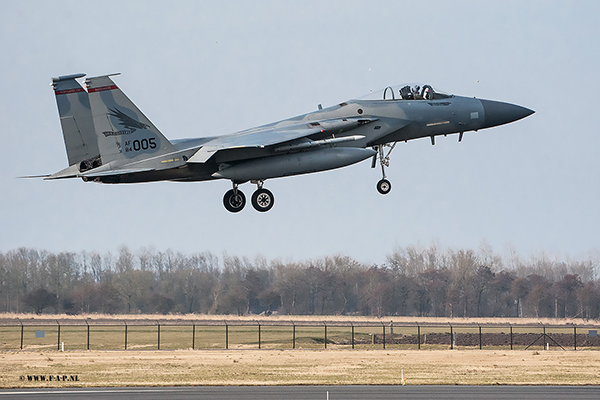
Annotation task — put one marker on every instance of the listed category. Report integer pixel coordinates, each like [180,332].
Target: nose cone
[499,113]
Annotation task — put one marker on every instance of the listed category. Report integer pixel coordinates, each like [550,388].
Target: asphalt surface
[314,393]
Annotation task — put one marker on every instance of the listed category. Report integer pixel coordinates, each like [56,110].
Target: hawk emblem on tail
[126,121]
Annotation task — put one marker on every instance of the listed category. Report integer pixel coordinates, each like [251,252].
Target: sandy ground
[293,367]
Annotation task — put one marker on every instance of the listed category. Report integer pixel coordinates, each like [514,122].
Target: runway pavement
[314,393]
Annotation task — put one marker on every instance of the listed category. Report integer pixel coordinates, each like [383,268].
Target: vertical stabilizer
[76,121]
[123,131]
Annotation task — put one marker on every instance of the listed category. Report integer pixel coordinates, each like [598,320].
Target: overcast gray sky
[209,68]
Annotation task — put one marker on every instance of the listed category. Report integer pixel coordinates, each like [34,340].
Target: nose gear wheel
[384,186]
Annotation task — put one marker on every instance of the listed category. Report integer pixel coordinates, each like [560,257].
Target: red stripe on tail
[102,89]
[68,91]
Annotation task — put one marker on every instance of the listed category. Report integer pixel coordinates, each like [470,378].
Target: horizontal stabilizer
[70,172]
[115,172]
[73,172]
[33,176]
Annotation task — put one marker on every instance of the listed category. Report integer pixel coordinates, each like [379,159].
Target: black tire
[234,203]
[263,200]
[384,186]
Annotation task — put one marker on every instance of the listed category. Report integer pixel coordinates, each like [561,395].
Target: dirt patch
[489,339]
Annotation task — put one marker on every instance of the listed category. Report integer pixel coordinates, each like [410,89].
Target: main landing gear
[234,200]
[262,199]
[383,186]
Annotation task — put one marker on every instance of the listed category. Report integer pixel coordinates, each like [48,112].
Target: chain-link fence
[265,334]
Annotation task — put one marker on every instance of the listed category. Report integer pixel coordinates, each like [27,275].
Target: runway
[313,393]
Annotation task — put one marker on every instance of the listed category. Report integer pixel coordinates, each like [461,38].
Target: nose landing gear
[383,186]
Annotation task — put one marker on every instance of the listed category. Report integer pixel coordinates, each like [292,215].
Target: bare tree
[39,299]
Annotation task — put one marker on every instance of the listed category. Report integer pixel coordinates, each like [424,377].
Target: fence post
[193,336]
[226,336]
[21,333]
[125,322]
[352,335]
[511,337]
[88,334]
[325,341]
[574,337]
[451,337]
[58,344]
[293,335]
[418,336]
[480,345]
[259,335]
[544,344]
[383,335]
[158,336]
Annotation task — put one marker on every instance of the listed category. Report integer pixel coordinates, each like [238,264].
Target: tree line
[413,282]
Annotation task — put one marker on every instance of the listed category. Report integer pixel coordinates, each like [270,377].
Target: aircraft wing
[275,135]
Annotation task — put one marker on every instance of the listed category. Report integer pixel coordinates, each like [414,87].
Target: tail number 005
[144,144]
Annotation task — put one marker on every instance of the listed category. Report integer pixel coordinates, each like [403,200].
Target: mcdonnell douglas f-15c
[109,140]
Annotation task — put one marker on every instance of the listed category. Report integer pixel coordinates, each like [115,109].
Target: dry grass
[119,318]
[299,367]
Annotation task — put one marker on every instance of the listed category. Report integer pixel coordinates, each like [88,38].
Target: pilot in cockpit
[406,93]
[416,92]
[417,95]
[427,92]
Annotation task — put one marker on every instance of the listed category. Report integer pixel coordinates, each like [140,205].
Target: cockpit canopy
[413,91]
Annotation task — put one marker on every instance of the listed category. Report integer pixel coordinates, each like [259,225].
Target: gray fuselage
[385,121]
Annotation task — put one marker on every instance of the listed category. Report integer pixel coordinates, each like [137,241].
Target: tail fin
[123,132]
[76,121]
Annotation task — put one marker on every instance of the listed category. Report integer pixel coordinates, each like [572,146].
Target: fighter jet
[109,140]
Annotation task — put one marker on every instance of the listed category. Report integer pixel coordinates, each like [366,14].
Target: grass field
[172,337]
[282,337]
[294,367]
[243,363]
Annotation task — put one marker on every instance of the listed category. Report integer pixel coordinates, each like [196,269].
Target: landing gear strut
[383,186]
[262,199]
[234,200]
